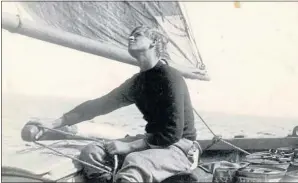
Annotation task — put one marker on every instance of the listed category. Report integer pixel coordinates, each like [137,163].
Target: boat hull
[56,168]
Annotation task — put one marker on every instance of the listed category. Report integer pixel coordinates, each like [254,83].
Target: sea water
[17,109]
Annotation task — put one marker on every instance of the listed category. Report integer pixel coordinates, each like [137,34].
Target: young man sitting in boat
[161,94]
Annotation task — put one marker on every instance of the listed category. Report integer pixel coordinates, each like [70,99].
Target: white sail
[111,22]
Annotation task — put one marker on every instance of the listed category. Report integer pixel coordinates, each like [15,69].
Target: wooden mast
[16,24]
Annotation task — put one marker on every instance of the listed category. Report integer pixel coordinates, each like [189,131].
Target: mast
[16,24]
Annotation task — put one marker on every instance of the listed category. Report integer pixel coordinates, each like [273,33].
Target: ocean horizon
[17,109]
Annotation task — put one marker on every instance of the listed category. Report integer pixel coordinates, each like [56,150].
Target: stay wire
[217,138]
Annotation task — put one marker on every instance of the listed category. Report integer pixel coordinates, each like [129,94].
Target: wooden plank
[252,143]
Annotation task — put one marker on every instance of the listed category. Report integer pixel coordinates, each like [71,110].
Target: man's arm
[120,147]
[138,145]
[117,98]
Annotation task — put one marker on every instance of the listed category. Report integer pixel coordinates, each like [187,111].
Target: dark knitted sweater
[160,94]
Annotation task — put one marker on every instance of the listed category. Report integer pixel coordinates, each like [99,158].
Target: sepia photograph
[149,91]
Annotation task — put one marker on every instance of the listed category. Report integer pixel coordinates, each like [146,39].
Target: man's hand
[33,130]
[118,147]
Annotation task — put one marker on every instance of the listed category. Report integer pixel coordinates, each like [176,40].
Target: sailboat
[101,28]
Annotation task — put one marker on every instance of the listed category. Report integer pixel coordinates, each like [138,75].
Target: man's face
[138,42]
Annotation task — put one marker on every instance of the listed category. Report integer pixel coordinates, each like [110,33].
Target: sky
[250,53]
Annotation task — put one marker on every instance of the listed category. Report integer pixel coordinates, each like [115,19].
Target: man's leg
[95,154]
[153,165]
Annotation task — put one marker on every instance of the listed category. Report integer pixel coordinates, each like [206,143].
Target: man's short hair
[156,35]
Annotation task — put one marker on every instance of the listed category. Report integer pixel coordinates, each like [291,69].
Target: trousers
[151,165]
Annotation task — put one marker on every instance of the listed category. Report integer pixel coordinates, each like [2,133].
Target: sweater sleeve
[117,98]
[171,121]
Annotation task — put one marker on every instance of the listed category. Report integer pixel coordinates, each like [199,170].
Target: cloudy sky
[250,53]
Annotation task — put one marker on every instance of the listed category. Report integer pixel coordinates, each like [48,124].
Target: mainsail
[111,22]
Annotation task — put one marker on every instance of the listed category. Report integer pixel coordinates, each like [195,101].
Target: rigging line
[191,32]
[219,139]
[187,19]
[204,122]
[232,145]
[33,148]
[71,134]
[103,168]
[18,9]
[196,47]
[191,38]
[116,161]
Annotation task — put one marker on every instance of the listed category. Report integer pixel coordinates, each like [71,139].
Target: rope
[217,138]
[214,141]
[18,8]
[103,168]
[116,163]
[108,170]
[188,22]
[232,145]
[204,122]
[71,134]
